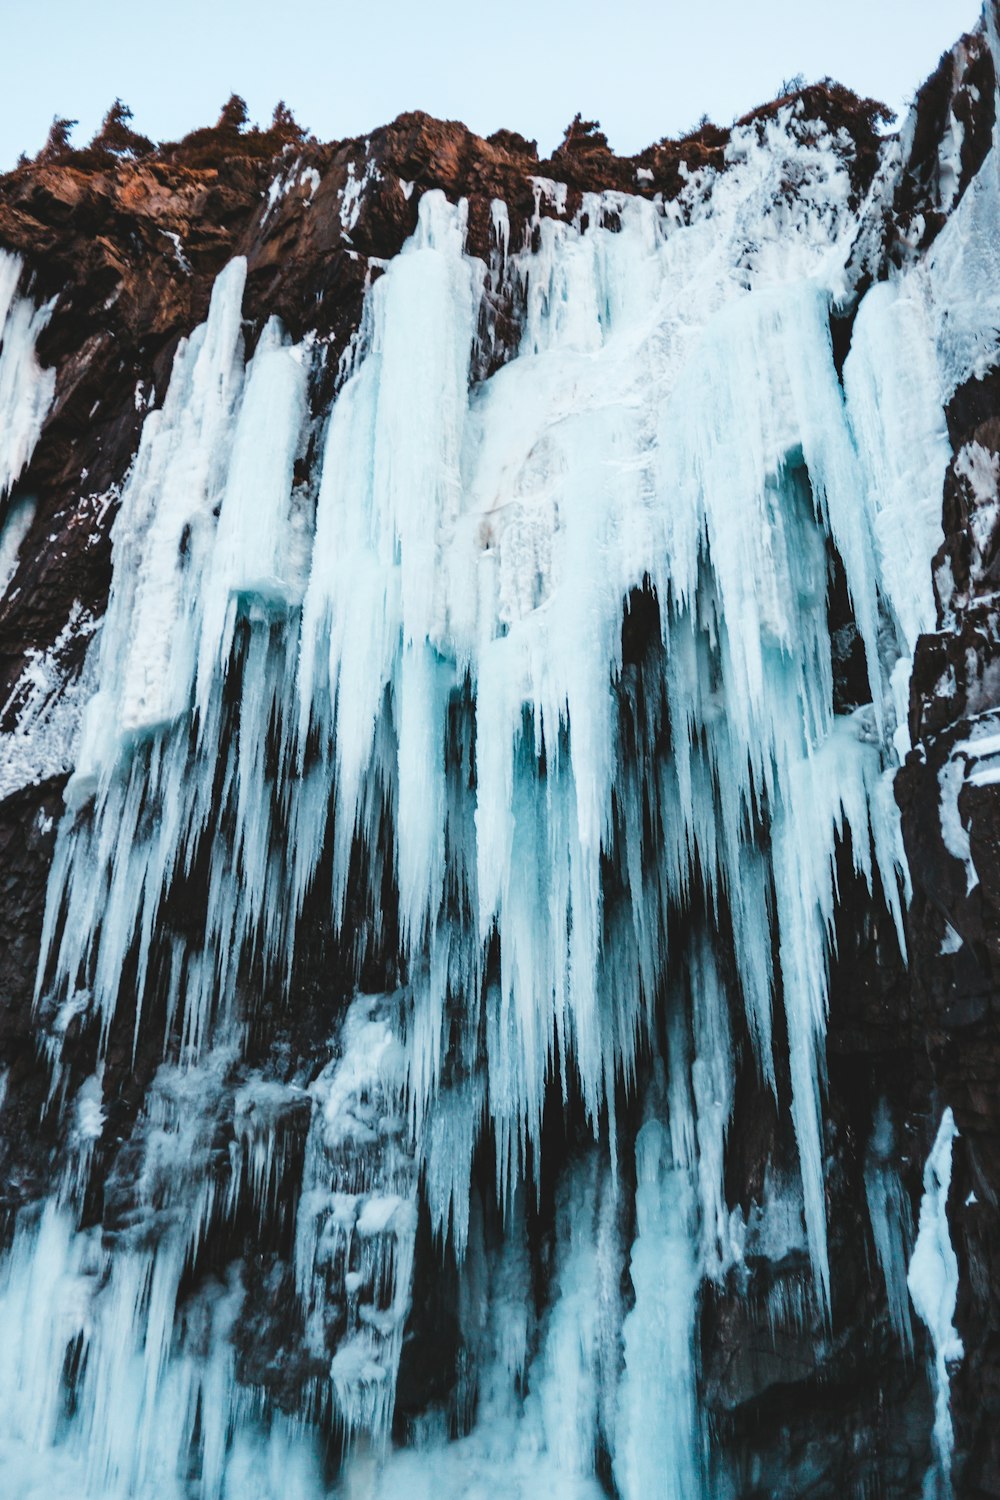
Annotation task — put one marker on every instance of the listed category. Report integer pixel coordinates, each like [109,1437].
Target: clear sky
[644,68]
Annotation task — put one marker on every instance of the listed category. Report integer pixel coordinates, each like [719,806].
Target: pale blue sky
[645,68]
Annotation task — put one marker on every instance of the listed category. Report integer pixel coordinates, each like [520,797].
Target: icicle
[254,556]
[26,389]
[166,526]
[423,703]
[16,525]
[933,1282]
[892,384]
[712,1087]
[658,1446]
[891,1221]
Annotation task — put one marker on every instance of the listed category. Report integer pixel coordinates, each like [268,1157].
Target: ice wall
[398,676]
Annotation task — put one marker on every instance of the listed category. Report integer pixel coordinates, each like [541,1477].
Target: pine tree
[57,142]
[284,123]
[234,114]
[117,136]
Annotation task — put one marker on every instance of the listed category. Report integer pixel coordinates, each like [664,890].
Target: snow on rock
[49,703]
[354,191]
[963,271]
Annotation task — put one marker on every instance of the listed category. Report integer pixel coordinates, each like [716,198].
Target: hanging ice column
[209,529]
[565,505]
[431,707]
[374,619]
[659,1446]
[25,388]
[933,1283]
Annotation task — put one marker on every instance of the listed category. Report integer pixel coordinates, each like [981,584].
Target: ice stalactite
[26,389]
[891,1221]
[933,1282]
[659,1443]
[375,661]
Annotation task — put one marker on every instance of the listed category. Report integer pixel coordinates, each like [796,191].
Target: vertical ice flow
[933,1282]
[397,676]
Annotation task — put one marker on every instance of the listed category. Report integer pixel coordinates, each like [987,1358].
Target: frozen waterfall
[368,662]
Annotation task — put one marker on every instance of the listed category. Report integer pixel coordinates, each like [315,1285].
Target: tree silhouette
[117,136]
[285,125]
[234,114]
[583,135]
[57,142]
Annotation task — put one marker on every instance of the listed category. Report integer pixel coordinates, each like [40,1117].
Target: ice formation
[891,1221]
[26,388]
[933,1282]
[404,673]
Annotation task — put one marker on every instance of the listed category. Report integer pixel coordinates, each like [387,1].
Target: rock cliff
[120,248]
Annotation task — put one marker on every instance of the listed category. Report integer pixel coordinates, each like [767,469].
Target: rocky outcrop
[953,1017]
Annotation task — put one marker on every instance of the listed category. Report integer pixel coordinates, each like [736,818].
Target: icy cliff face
[479,788]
